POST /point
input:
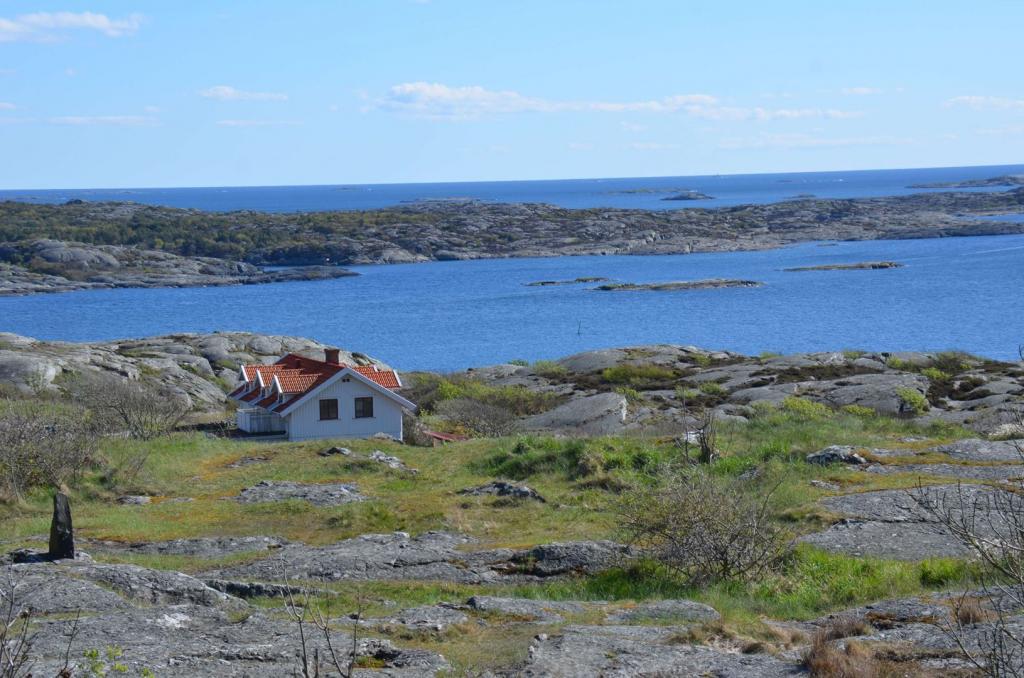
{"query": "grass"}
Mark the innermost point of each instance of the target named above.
(576, 476)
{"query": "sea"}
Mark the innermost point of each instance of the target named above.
(951, 293)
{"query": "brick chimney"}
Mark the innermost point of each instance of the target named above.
(331, 355)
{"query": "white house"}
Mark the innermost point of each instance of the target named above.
(308, 399)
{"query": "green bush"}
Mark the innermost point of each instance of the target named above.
(952, 362)
(860, 411)
(630, 394)
(913, 399)
(518, 361)
(549, 369)
(712, 388)
(935, 374)
(806, 409)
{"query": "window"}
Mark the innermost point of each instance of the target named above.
(329, 409)
(364, 408)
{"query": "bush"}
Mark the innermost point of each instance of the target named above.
(42, 445)
(913, 400)
(952, 362)
(806, 409)
(549, 369)
(630, 394)
(704, 528)
(143, 410)
(860, 411)
(429, 390)
(490, 421)
(935, 374)
(712, 388)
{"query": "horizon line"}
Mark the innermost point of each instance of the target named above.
(503, 181)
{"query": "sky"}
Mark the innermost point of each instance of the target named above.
(148, 94)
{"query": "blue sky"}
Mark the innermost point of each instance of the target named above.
(110, 94)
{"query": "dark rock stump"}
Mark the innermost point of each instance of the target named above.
(62, 536)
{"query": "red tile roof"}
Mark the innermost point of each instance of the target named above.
(298, 375)
(296, 381)
(386, 378)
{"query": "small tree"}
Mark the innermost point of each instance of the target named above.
(989, 522)
(143, 410)
(490, 421)
(42, 444)
(704, 528)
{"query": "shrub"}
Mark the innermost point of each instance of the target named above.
(143, 410)
(484, 419)
(630, 394)
(636, 374)
(901, 365)
(853, 354)
(952, 362)
(860, 411)
(913, 400)
(712, 388)
(549, 369)
(42, 445)
(429, 390)
(686, 394)
(806, 409)
(704, 528)
(935, 374)
(518, 361)
(702, 360)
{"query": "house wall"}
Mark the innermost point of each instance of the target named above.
(304, 423)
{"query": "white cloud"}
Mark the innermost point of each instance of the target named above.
(257, 123)
(985, 103)
(439, 101)
(1011, 130)
(49, 26)
(579, 146)
(794, 141)
(6, 106)
(652, 146)
(861, 91)
(112, 120)
(229, 93)
(632, 127)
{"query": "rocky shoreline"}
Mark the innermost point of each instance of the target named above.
(445, 231)
(39, 266)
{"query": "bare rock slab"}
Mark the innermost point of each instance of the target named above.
(666, 611)
(330, 494)
(621, 651)
(503, 488)
(524, 609)
(975, 449)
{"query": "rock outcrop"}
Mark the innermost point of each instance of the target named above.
(35, 266)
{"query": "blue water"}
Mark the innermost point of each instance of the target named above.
(726, 190)
(953, 293)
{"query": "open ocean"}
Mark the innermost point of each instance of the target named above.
(641, 193)
(964, 293)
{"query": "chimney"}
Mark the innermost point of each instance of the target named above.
(331, 356)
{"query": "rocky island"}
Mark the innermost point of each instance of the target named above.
(33, 266)
(575, 281)
(678, 285)
(860, 266)
(1008, 180)
(443, 231)
(689, 195)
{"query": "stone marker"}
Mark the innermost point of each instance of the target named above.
(62, 537)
